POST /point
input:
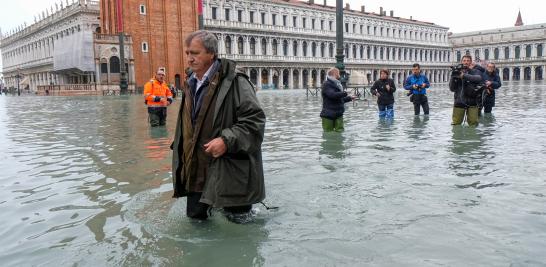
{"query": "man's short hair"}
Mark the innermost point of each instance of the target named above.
(332, 70)
(416, 65)
(467, 56)
(209, 40)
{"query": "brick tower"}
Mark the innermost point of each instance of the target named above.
(158, 29)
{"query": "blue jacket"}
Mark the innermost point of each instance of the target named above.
(419, 80)
(333, 100)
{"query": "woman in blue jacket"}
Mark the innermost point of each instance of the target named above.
(492, 83)
(384, 89)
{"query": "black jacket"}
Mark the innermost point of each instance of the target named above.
(333, 100)
(385, 97)
(468, 90)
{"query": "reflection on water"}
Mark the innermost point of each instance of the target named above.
(85, 181)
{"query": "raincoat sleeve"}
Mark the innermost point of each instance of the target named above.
(247, 133)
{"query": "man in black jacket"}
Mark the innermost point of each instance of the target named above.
(333, 100)
(467, 85)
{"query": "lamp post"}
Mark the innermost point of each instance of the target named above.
(339, 43)
(18, 77)
(123, 84)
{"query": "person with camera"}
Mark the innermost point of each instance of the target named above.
(417, 85)
(492, 83)
(466, 83)
(384, 89)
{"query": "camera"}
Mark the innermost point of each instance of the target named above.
(457, 69)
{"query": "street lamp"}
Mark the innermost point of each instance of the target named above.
(339, 44)
(18, 77)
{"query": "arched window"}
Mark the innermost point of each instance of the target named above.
(486, 54)
(240, 45)
(477, 54)
(264, 46)
(295, 48)
(539, 50)
(517, 52)
(228, 45)
(528, 51)
(381, 53)
(361, 51)
(114, 65)
(252, 46)
(285, 48)
(506, 52)
(331, 50)
(496, 53)
(304, 48)
(274, 47)
(322, 50)
(313, 49)
(354, 51)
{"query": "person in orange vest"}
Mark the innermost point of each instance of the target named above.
(157, 96)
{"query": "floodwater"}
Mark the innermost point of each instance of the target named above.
(85, 182)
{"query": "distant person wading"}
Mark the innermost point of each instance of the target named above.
(157, 96)
(333, 102)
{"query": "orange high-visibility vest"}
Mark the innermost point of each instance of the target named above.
(154, 88)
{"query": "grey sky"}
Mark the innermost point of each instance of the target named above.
(459, 16)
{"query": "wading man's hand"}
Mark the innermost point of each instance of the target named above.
(216, 147)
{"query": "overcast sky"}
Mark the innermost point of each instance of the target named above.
(459, 16)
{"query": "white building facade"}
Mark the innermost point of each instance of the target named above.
(518, 52)
(291, 44)
(62, 48)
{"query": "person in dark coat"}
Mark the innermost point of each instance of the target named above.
(333, 102)
(467, 87)
(417, 84)
(492, 83)
(217, 156)
(384, 89)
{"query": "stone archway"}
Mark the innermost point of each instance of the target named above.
(314, 78)
(285, 79)
(275, 81)
(254, 76)
(322, 75)
(516, 74)
(264, 77)
(538, 73)
(296, 78)
(505, 74)
(305, 78)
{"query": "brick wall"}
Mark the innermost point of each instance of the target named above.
(164, 27)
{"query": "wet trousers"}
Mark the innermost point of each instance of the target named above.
(471, 115)
(329, 125)
(420, 100)
(386, 111)
(157, 116)
(200, 211)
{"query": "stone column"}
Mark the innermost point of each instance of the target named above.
(300, 79)
(259, 79)
(291, 78)
(281, 79)
(270, 78)
(532, 73)
(247, 45)
(97, 71)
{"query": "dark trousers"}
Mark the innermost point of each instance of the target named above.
(199, 210)
(157, 115)
(419, 101)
